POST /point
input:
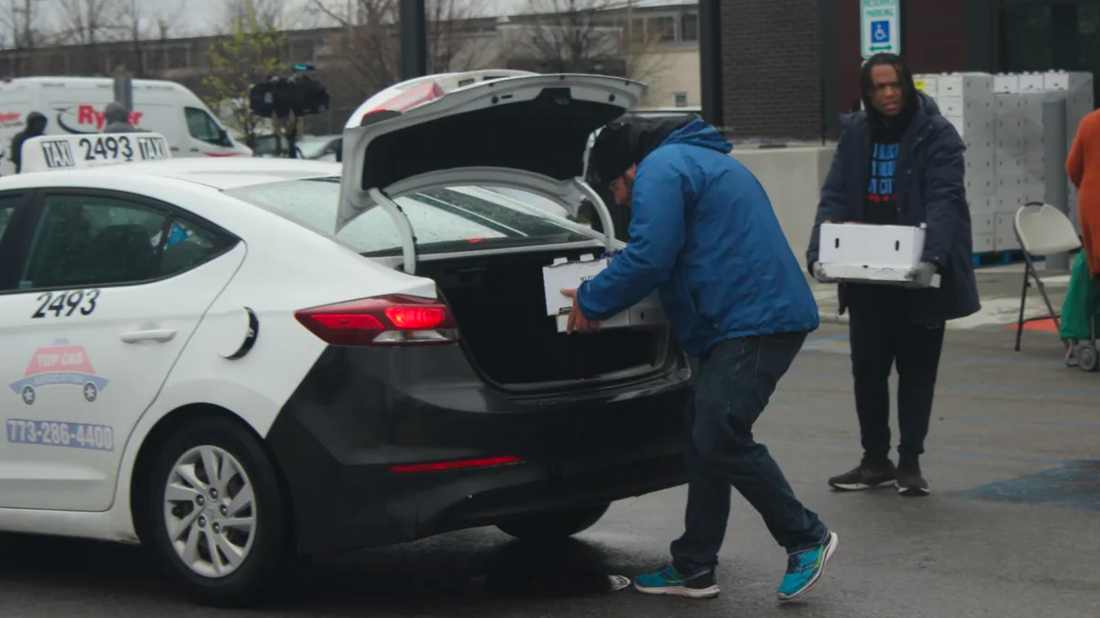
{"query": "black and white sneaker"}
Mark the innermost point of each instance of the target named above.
(869, 475)
(910, 482)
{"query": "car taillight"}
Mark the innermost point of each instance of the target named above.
(384, 320)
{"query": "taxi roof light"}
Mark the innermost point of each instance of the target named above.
(49, 153)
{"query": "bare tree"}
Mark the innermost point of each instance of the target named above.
(87, 22)
(20, 21)
(578, 36)
(368, 40)
(267, 14)
(141, 24)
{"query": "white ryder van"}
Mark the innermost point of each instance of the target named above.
(76, 105)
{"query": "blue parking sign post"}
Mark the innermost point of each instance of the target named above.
(880, 29)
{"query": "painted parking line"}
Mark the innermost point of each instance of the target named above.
(1037, 390)
(964, 418)
(818, 345)
(853, 447)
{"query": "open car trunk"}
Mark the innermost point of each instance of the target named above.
(500, 308)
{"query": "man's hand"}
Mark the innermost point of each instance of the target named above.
(577, 321)
(819, 274)
(922, 273)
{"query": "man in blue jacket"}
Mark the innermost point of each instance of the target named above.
(704, 234)
(899, 162)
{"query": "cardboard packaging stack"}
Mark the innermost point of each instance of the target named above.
(1000, 117)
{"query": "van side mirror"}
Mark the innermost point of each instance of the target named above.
(224, 135)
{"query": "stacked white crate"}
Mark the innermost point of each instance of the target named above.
(1019, 151)
(1021, 165)
(1078, 89)
(967, 101)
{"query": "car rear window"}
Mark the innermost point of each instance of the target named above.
(443, 220)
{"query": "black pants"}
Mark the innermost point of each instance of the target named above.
(881, 335)
(735, 381)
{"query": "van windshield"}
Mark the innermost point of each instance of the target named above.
(444, 220)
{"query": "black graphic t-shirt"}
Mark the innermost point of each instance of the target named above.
(881, 206)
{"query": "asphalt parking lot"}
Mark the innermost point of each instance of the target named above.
(1009, 530)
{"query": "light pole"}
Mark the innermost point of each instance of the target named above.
(414, 39)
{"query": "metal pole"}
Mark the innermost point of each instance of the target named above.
(124, 89)
(710, 60)
(414, 39)
(1055, 151)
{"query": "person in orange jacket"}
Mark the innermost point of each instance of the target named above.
(1083, 166)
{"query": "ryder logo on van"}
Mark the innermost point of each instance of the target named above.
(11, 120)
(86, 119)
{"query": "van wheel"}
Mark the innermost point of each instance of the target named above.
(215, 510)
(554, 525)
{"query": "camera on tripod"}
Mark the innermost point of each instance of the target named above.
(279, 95)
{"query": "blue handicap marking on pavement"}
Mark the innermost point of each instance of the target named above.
(880, 32)
(1076, 485)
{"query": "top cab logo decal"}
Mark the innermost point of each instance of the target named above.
(61, 364)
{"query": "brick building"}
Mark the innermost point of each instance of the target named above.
(788, 68)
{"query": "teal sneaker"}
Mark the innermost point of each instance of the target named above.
(805, 568)
(699, 585)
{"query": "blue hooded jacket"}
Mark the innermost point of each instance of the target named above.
(704, 234)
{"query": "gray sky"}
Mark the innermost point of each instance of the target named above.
(197, 16)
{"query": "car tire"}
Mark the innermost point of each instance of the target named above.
(554, 525)
(179, 491)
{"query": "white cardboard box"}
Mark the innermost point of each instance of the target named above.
(983, 223)
(1006, 83)
(871, 253)
(1032, 82)
(983, 243)
(566, 275)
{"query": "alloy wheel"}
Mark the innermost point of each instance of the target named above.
(210, 511)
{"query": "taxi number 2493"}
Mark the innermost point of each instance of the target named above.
(67, 303)
(110, 148)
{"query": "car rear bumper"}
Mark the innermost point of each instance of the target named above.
(361, 412)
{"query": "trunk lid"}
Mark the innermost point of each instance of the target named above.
(493, 128)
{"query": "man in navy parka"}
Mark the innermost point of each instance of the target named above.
(703, 233)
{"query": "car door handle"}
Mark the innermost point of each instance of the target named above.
(148, 335)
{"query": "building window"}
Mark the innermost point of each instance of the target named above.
(681, 99)
(689, 27)
(1041, 37)
(662, 29)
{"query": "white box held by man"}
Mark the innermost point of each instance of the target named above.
(566, 275)
(872, 253)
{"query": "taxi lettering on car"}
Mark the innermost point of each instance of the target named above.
(308, 357)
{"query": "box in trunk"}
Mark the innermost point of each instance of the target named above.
(566, 275)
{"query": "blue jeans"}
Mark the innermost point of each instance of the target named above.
(735, 382)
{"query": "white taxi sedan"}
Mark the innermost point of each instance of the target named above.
(241, 362)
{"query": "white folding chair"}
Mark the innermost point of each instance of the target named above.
(1042, 230)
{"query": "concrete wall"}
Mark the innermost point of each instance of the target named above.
(792, 177)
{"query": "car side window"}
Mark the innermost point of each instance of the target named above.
(187, 245)
(7, 212)
(202, 126)
(98, 240)
(7, 245)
